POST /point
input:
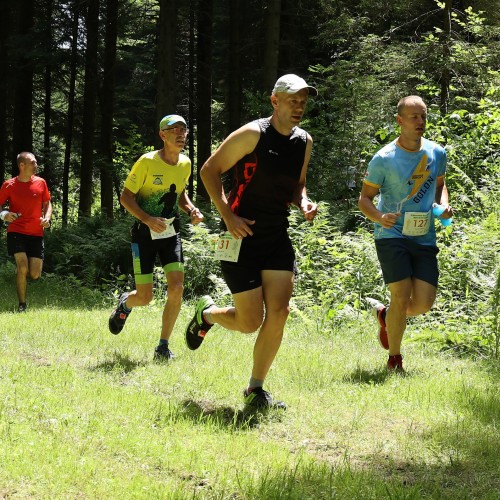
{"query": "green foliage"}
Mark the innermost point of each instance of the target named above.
(96, 253)
(90, 251)
(468, 292)
(354, 114)
(472, 138)
(202, 271)
(336, 268)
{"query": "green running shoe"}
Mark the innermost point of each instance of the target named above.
(198, 327)
(119, 315)
(259, 399)
(163, 353)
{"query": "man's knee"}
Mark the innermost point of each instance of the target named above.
(423, 305)
(175, 290)
(34, 275)
(250, 324)
(22, 270)
(143, 299)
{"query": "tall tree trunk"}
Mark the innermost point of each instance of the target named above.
(70, 112)
(445, 73)
(234, 69)
(191, 80)
(271, 44)
(166, 103)
(47, 106)
(89, 108)
(107, 105)
(204, 80)
(22, 136)
(5, 25)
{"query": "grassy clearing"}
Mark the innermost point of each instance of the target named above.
(85, 414)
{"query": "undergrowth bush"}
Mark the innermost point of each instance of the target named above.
(336, 269)
(90, 251)
(465, 316)
(96, 253)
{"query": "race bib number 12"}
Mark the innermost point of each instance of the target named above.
(227, 248)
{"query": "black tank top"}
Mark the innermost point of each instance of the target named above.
(265, 181)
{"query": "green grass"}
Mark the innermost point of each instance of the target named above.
(85, 414)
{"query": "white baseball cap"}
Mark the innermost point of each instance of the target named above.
(291, 84)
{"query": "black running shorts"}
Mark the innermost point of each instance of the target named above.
(145, 250)
(402, 258)
(271, 251)
(32, 246)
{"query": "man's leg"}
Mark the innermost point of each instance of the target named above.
(423, 295)
(141, 296)
(395, 318)
(35, 266)
(277, 286)
(22, 270)
(245, 316)
(409, 297)
(175, 283)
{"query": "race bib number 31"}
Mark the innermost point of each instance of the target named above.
(227, 248)
(416, 223)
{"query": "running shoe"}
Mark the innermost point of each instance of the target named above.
(259, 399)
(198, 327)
(119, 315)
(163, 353)
(395, 363)
(22, 307)
(379, 311)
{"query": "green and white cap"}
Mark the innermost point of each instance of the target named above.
(168, 120)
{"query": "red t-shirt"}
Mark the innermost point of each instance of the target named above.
(27, 199)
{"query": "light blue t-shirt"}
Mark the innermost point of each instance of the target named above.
(407, 182)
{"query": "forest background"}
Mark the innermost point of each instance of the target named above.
(85, 83)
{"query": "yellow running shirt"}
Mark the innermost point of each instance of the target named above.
(157, 185)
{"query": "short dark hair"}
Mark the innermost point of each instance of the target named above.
(406, 100)
(23, 157)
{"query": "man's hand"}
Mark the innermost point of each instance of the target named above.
(309, 209)
(448, 212)
(389, 219)
(44, 222)
(11, 216)
(156, 224)
(239, 226)
(196, 216)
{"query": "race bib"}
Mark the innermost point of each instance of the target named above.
(227, 248)
(167, 232)
(416, 223)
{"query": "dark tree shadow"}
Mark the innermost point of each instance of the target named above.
(372, 377)
(226, 416)
(118, 363)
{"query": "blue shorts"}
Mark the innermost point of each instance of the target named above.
(401, 258)
(272, 251)
(145, 250)
(32, 246)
